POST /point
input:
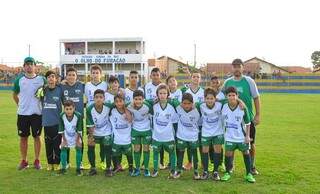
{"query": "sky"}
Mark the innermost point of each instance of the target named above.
(282, 32)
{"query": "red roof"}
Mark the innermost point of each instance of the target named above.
(297, 69)
(225, 68)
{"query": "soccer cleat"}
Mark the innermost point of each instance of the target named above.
(23, 165)
(84, 167)
(254, 171)
(108, 173)
(162, 167)
(216, 176)
(196, 176)
(177, 175)
(102, 165)
(249, 177)
(188, 166)
(79, 172)
(56, 167)
(62, 171)
(92, 172)
(210, 167)
(226, 177)
(50, 167)
(68, 166)
(37, 165)
(171, 175)
(205, 176)
(154, 174)
(136, 172)
(131, 171)
(147, 173)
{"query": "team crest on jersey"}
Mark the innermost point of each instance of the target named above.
(65, 92)
(55, 98)
(167, 116)
(238, 118)
(127, 98)
(78, 91)
(192, 119)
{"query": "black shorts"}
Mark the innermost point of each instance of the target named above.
(25, 122)
(252, 132)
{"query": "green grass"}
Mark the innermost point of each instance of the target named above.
(287, 157)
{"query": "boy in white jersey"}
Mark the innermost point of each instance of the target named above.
(235, 122)
(71, 129)
(164, 116)
(175, 93)
(141, 131)
(215, 84)
(121, 129)
(197, 93)
(151, 87)
(133, 86)
(89, 89)
(99, 131)
(187, 133)
(211, 133)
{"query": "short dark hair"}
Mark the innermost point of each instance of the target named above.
(133, 72)
(113, 79)
(50, 72)
(70, 69)
(68, 103)
(169, 77)
(211, 91)
(214, 78)
(118, 96)
(155, 70)
(187, 96)
(161, 87)
(231, 89)
(137, 93)
(96, 67)
(237, 62)
(98, 91)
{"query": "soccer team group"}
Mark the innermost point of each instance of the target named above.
(132, 122)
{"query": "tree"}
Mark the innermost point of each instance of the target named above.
(315, 58)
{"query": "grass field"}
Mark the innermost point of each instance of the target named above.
(287, 157)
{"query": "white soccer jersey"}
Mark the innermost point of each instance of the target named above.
(99, 120)
(163, 119)
(121, 128)
(129, 94)
(108, 97)
(176, 95)
(141, 117)
(70, 128)
(90, 88)
(26, 88)
(220, 96)
(234, 123)
(211, 120)
(198, 96)
(188, 124)
(150, 91)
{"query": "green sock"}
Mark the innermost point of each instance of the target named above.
(205, 161)
(172, 157)
(137, 158)
(130, 160)
(228, 163)
(247, 162)
(195, 159)
(146, 158)
(102, 152)
(180, 159)
(189, 154)
(92, 156)
(63, 157)
(155, 159)
(78, 157)
(108, 151)
(216, 161)
(211, 154)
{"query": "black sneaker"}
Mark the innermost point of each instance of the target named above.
(108, 173)
(196, 176)
(216, 176)
(92, 172)
(254, 171)
(79, 172)
(205, 176)
(171, 175)
(62, 171)
(177, 175)
(154, 174)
